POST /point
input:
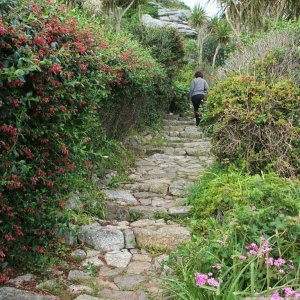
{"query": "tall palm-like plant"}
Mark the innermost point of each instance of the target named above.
(221, 32)
(251, 15)
(199, 21)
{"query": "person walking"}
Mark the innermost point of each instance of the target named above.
(198, 89)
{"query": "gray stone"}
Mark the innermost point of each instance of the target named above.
(22, 279)
(130, 242)
(141, 257)
(122, 295)
(76, 289)
(88, 297)
(138, 267)
(95, 261)
(134, 144)
(77, 274)
(148, 211)
(74, 201)
(120, 196)
(9, 293)
(160, 261)
(134, 251)
(178, 188)
(181, 27)
(106, 180)
(159, 187)
(180, 211)
(48, 284)
(79, 253)
(91, 253)
(160, 202)
(101, 238)
(70, 235)
(107, 284)
(110, 272)
(116, 212)
(128, 282)
(119, 259)
(167, 237)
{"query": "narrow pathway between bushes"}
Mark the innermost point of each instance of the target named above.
(146, 218)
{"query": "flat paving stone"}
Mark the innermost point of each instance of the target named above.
(9, 293)
(129, 282)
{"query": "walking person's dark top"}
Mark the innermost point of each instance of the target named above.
(198, 89)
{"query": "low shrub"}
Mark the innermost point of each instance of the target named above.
(256, 122)
(246, 238)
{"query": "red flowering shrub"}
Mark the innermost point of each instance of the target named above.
(138, 91)
(55, 77)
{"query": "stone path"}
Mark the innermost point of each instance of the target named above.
(122, 257)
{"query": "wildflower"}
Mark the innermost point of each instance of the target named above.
(201, 279)
(242, 257)
(279, 262)
(270, 261)
(253, 208)
(281, 271)
(212, 282)
(265, 248)
(276, 296)
(210, 274)
(297, 295)
(217, 266)
(288, 291)
(254, 247)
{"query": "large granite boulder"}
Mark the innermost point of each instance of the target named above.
(176, 18)
(101, 238)
(165, 237)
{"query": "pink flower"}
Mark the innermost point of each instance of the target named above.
(279, 262)
(288, 291)
(276, 296)
(252, 253)
(270, 261)
(254, 247)
(212, 282)
(297, 295)
(217, 266)
(242, 257)
(200, 279)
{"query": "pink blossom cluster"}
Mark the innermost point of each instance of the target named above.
(288, 292)
(253, 249)
(203, 279)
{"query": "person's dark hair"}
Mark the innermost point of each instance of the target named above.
(198, 74)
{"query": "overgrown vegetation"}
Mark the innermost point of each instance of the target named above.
(246, 237)
(66, 90)
(256, 122)
(246, 207)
